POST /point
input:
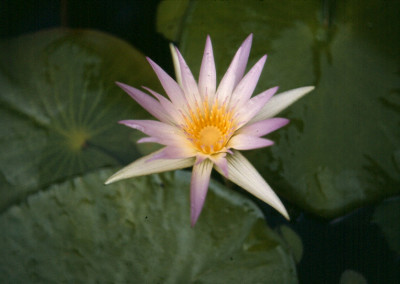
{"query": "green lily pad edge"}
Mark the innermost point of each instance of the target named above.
(60, 107)
(139, 231)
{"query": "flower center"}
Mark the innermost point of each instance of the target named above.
(209, 128)
(209, 136)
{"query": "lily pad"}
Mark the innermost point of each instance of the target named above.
(342, 147)
(352, 277)
(293, 241)
(59, 107)
(387, 216)
(138, 231)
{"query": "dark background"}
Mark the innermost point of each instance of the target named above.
(330, 247)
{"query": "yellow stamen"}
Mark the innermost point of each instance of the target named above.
(209, 136)
(209, 128)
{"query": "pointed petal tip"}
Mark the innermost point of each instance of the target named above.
(151, 62)
(287, 217)
(111, 179)
(122, 85)
(304, 90)
(125, 122)
(194, 216)
(192, 222)
(264, 57)
(279, 207)
(283, 212)
(249, 37)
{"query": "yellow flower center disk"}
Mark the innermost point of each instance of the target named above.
(209, 128)
(209, 136)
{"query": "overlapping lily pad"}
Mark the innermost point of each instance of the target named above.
(59, 107)
(342, 147)
(138, 231)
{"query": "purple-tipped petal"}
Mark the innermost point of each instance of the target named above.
(200, 157)
(148, 140)
(172, 88)
(146, 166)
(189, 84)
(246, 86)
(255, 104)
(235, 71)
(280, 102)
(244, 57)
(147, 102)
(220, 161)
(165, 133)
(199, 187)
(169, 107)
(207, 77)
(175, 152)
(242, 172)
(263, 127)
(246, 142)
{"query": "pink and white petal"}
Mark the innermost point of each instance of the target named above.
(169, 107)
(146, 166)
(246, 142)
(244, 57)
(254, 105)
(280, 102)
(198, 188)
(165, 133)
(176, 152)
(146, 101)
(207, 76)
(148, 140)
(200, 157)
(175, 61)
(172, 88)
(235, 71)
(242, 172)
(246, 86)
(220, 161)
(263, 127)
(188, 82)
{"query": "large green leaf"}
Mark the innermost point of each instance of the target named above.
(138, 231)
(59, 107)
(342, 148)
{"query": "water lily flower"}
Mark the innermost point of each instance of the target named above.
(203, 126)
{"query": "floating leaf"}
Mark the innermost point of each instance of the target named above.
(387, 216)
(293, 240)
(59, 106)
(342, 147)
(352, 277)
(138, 231)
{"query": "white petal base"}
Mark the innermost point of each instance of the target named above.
(246, 176)
(146, 165)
